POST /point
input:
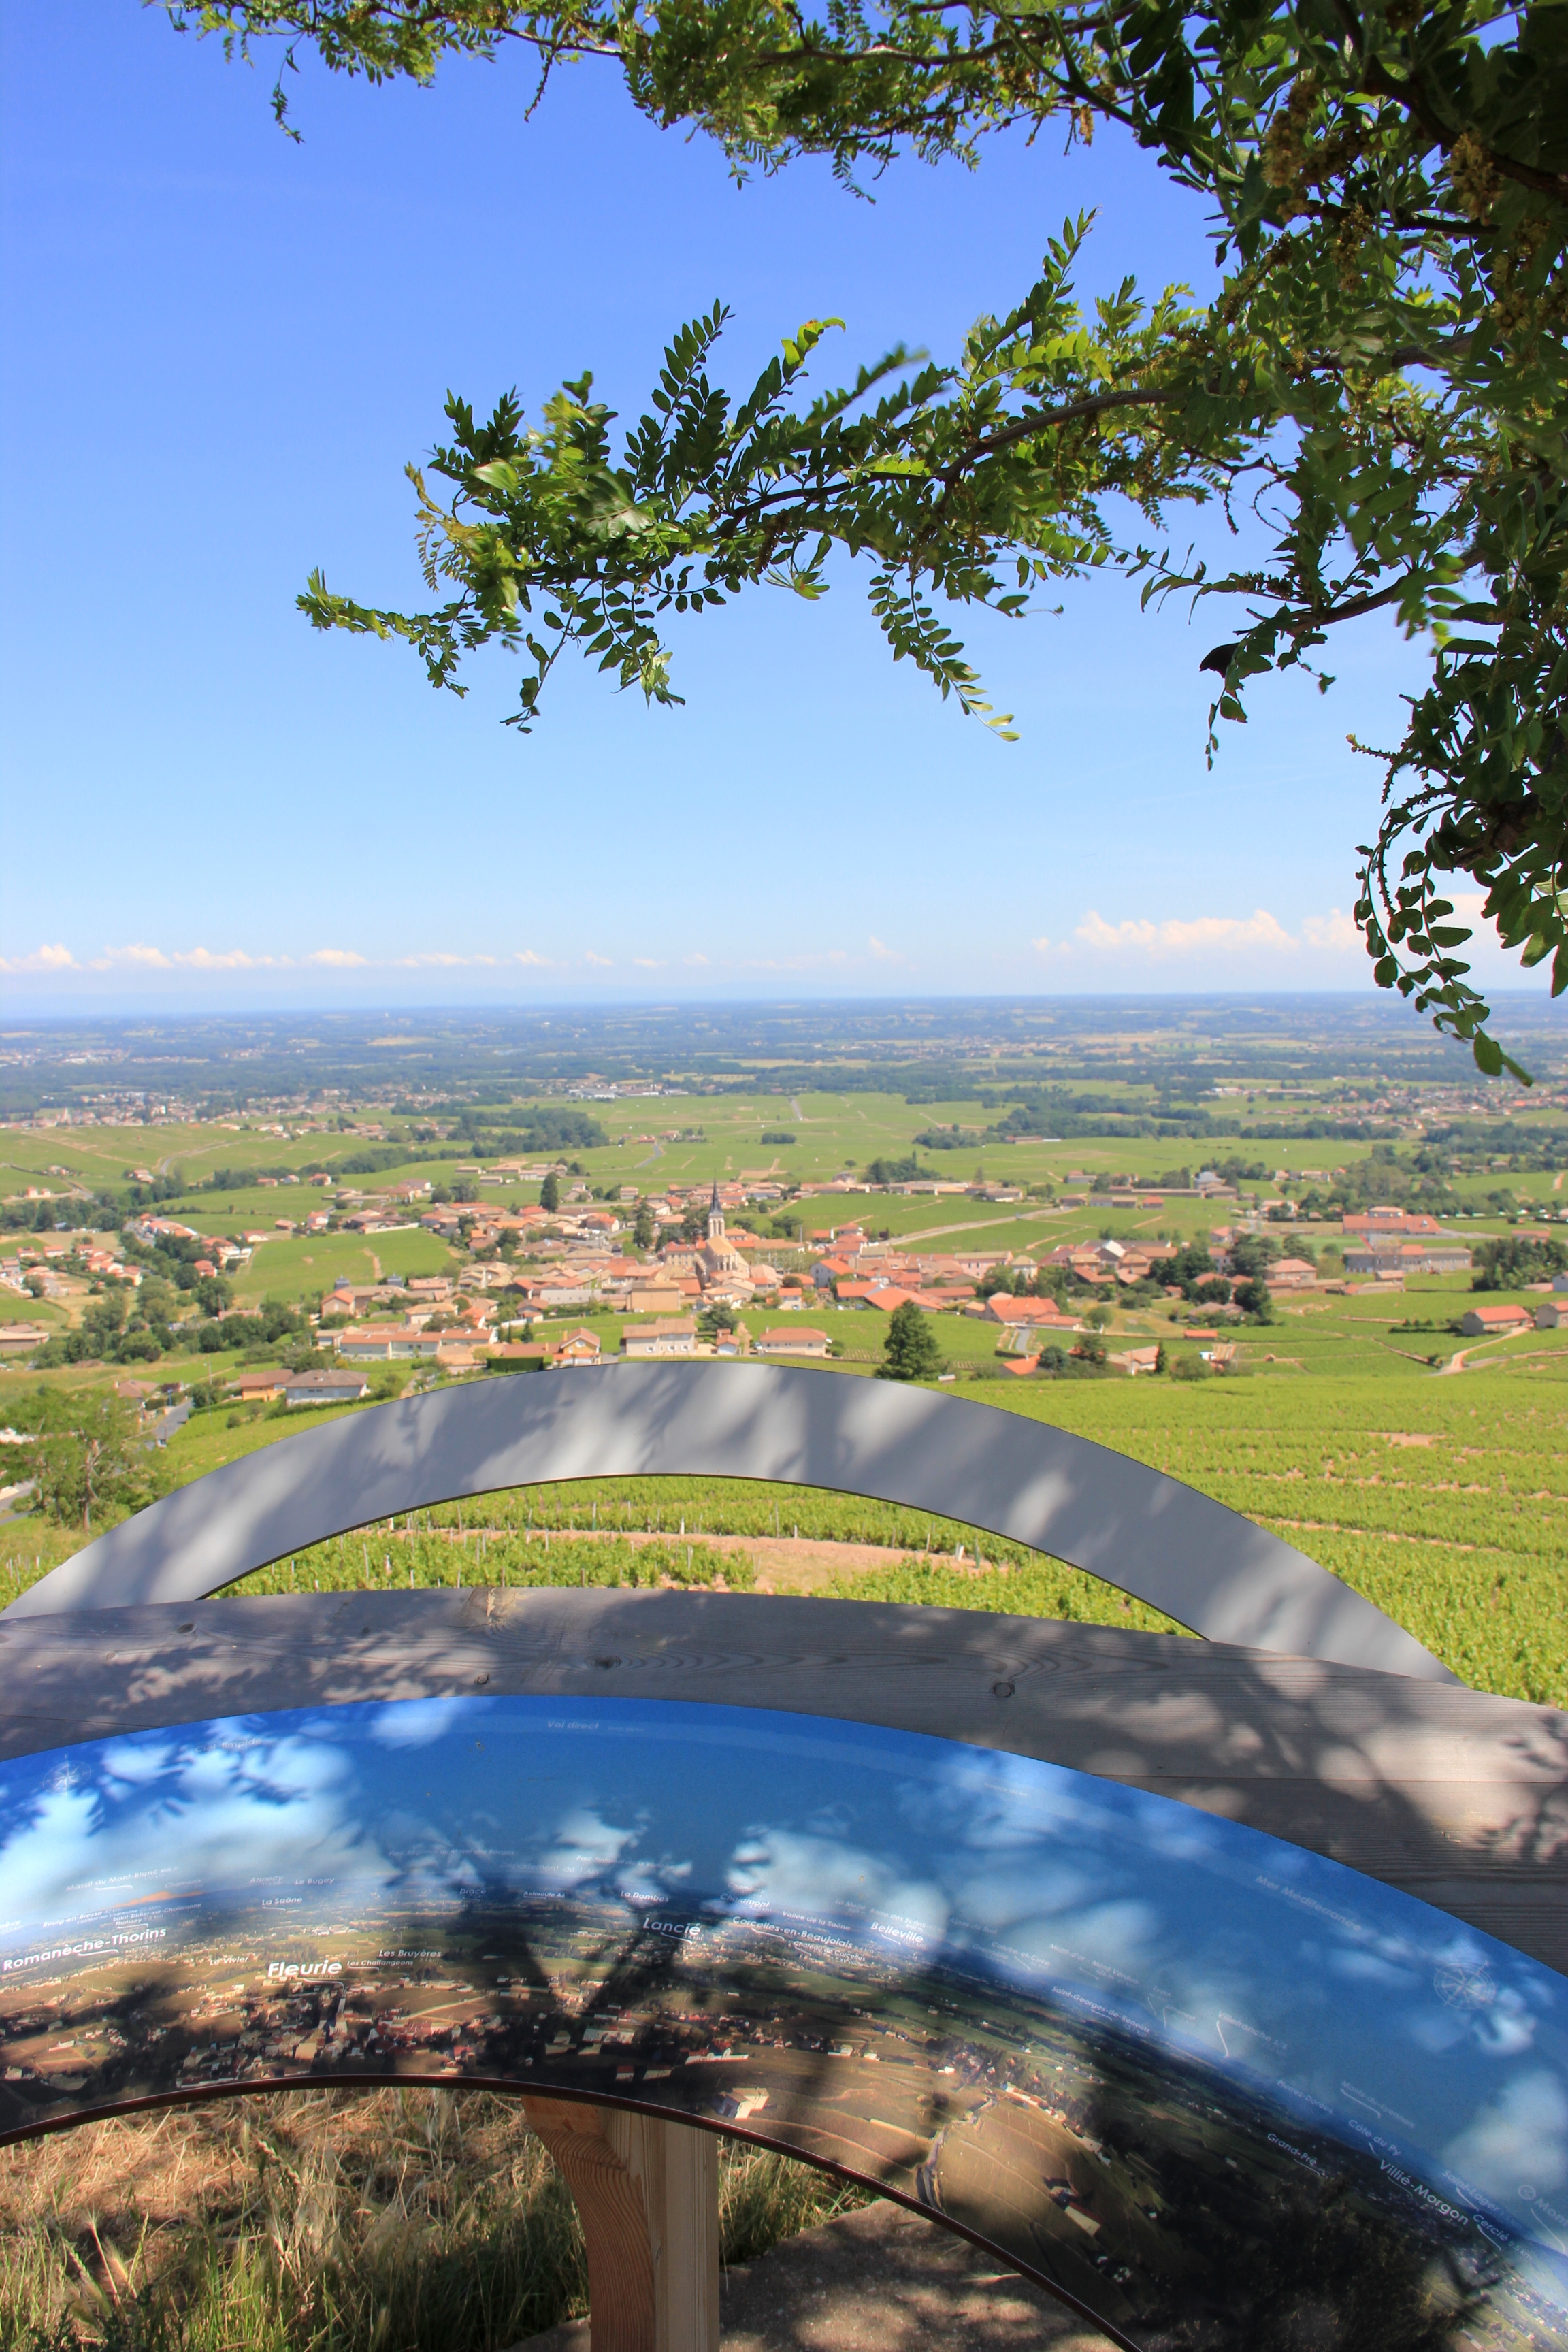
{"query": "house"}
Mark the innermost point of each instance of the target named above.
(1552, 1314)
(1495, 1322)
(261, 1388)
(798, 1339)
(384, 1343)
(582, 1348)
(673, 1335)
(346, 1300)
(827, 1271)
(1399, 1257)
(325, 1388)
(741, 2103)
(655, 1298)
(1001, 1308)
(519, 1356)
(1291, 1274)
(21, 1338)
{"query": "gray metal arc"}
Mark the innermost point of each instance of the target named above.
(1204, 1566)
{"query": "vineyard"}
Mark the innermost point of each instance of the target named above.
(1445, 1501)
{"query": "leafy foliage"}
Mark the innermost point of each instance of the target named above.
(1509, 1263)
(85, 1458)
(973, 484)
(1379, 383)
(909, 1351)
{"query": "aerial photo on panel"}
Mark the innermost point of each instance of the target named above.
(1162, 2062)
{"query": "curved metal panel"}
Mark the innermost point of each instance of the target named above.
(1210, 2088)
(1147, 1534)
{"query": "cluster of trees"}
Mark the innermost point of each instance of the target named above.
(1514, 1260)
(1417, 1179)
(907, 1170)
(273, 1323)
(172, 1259)
(949, 1138)
(120, 1327)
(530, 1130)
(125, 1325)
(95, 1213)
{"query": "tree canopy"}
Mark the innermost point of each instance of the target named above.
(909, 1351)
(1378, 383)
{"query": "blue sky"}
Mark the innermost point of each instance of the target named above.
(223, 347)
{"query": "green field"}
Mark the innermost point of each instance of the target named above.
(834, 1133)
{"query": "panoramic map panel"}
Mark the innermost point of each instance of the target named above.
(1211, 2088)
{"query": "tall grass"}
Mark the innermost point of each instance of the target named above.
(392, 2220)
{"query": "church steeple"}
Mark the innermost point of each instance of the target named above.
(715, 1216)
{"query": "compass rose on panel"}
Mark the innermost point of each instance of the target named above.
(1464, 1988)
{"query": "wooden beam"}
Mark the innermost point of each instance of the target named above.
(648, 2193)
(676, 2167)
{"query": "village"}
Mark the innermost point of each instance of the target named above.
(687, 1277)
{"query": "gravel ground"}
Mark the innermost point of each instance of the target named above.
(881, 2279)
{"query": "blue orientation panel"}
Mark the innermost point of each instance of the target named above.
(1214, 2089)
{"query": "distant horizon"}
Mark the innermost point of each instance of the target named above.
(67, 1011)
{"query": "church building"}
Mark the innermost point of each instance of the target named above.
(720, 1264)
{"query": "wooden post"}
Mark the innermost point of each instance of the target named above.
(647, 2192)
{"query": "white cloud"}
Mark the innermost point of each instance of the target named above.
(606, 963)
(884, 954)
(1518, 2145)
(45, 958)
(231, 959)
(140, 958)
(1335, 931)
(1199, 936)
(340, 959)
